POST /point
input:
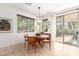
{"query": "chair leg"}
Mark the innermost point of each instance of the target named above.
(35, 48)
(49, 46)
(28, 47)
(24, 44)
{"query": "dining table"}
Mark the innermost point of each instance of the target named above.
(40, 39)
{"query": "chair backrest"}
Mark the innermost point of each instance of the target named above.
(25, 35)
(48, 35)
(31, 39)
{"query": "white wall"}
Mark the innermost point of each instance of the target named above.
(7, 39)
(52, 28)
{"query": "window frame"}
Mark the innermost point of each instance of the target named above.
(26, 19)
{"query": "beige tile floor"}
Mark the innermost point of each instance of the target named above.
(58, 49)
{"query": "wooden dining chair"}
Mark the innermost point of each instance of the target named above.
(32, 42)
(25, 39)
(47, 40)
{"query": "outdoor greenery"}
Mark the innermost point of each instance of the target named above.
(30, 25)
(59, 26)
(45, 25)
(70, 28)
(66, 25)
(25, 24)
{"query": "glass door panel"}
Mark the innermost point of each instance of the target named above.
(59, 28)
(70, 32)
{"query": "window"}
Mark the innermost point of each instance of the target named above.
(21, 24)
(25, 24)
(30, 25)
(66, 28)
(45, 25)
(70, 22)
(59, 25)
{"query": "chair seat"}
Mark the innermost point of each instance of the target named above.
(46, 40)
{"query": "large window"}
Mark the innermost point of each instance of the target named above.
(66, 28)
(70, 28)
(59, 28)
(45, 25)
(25, 24)
(30, 25)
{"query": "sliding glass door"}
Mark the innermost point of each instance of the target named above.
(66, 29)
(59, 29)
(70, 26)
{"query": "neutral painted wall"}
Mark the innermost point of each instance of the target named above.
(7, 39)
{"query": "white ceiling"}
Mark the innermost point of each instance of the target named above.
(45, 8)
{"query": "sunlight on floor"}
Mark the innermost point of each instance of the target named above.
(57, 49)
